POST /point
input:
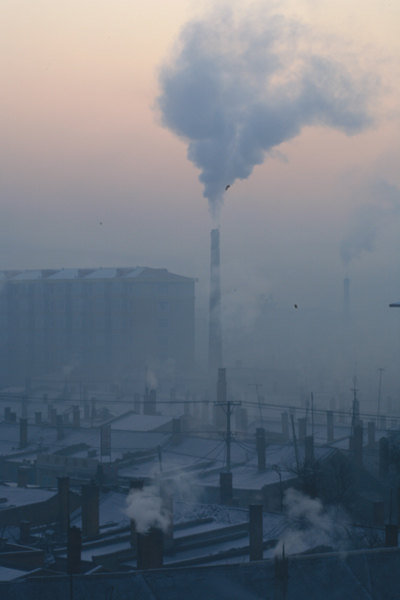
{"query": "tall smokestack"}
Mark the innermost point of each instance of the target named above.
(346, 299)
(214, 331)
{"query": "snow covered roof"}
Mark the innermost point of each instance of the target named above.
(11, 495)
(126, 273)
(358, 575)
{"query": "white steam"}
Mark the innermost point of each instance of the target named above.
(310, 525)
(146, 508)
(151, 379)
(238, 87)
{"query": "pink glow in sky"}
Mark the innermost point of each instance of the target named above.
(82, 144)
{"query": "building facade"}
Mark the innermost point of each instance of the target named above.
(110, 321)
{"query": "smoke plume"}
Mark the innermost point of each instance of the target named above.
(238, 87)
(367, 219)
(310, 525)
(145, 507)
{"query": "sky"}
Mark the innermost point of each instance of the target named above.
(94, 168)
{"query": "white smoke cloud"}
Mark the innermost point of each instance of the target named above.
(238, 86)
(310, 525)
(145, 507)
(151, 379)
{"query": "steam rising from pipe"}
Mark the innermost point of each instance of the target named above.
(145, 507)
(238, 87)
(310, 525)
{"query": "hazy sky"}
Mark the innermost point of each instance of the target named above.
(82, 143)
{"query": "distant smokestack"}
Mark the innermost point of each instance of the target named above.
(346, 298)
(215, 332)
(23, 432)
(329, 426)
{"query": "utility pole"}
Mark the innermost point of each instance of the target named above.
(258, 385)
(296, 452)
(228, 408)
(356, 407)
(312, 414)
(381, 370)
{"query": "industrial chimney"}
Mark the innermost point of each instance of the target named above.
(214, 331)
(346, 299)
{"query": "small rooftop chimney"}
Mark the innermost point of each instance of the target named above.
(391, 535)
(150, 549)
(215, 331)
(260, 447)
(63, 503)
(302, 429)
(167, 499)
(24, 532)
(285, 426)
(256, 531)
(74, 547)
(225, 488)
(281, 576)
(134, 485)
(219, 414)
(76, 416)
(137, 403)
(23, 432)
(60, 427)
(309, 448)
(383, 457)
(90, 510)
(149, 403)
(371, 434)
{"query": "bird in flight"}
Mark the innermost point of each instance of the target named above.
(227, 187)
(295, 306)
